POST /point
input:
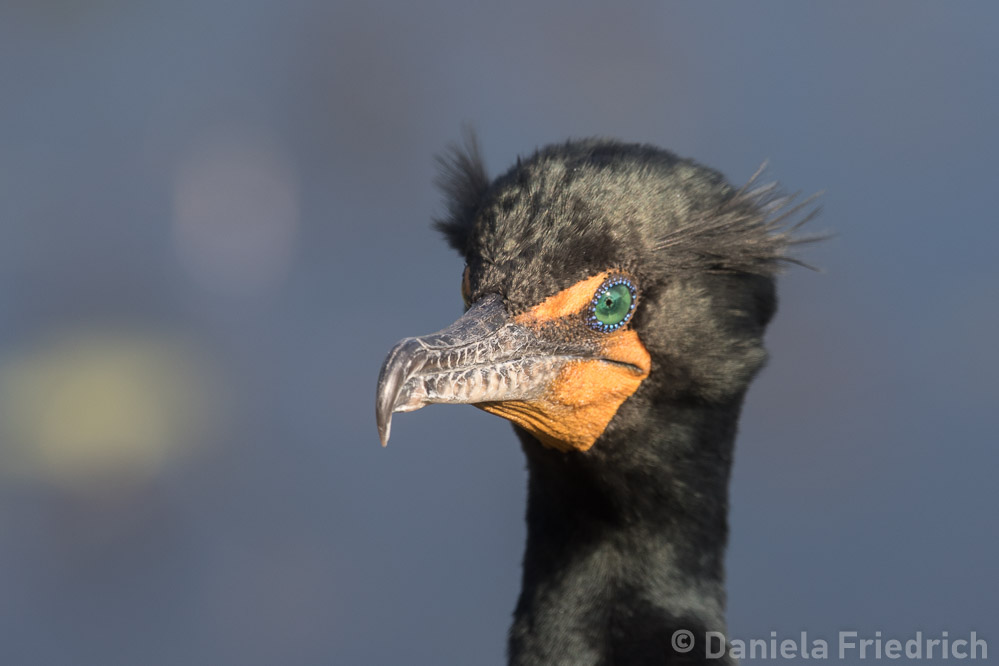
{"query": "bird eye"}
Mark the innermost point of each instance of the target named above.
(612, 305)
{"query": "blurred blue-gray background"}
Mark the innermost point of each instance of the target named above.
(214, 222)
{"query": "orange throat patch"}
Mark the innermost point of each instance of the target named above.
(586, 394)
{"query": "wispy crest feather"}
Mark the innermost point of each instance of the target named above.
(463, 181)
(752, 231)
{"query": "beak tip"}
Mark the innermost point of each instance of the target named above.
(383, 418)
(396, 369)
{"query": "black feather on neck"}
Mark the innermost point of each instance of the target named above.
(626, 542)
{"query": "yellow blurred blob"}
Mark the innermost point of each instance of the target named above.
(98, 407)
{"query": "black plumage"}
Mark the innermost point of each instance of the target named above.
(626, 538)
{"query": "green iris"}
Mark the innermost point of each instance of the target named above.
(613, 305)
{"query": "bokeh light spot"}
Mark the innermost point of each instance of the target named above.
(96, 407)
(236, 212)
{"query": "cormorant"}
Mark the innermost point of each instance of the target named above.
(616, 297)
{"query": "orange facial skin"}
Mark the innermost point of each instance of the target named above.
(587, 392)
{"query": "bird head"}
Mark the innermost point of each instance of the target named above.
(596, 273)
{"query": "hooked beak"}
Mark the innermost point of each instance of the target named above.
(482, 357)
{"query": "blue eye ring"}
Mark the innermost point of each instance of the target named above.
(611, 287)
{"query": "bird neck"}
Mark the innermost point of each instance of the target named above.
(626, 541)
